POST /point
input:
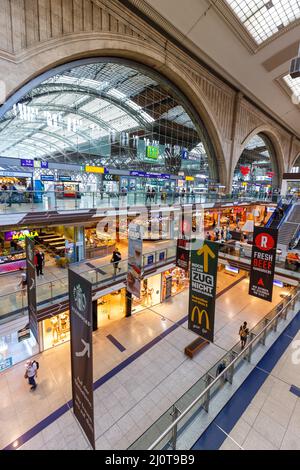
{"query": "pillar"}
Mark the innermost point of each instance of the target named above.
(95, 315)
(79, 240)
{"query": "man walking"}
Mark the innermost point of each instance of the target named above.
(30, 374)
(116, 258)
(243, 332)
(39, 263)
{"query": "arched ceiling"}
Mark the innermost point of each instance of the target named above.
(80, 113)
(250, 43)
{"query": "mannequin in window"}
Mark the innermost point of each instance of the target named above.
(150, 291)
(55, 328)
(63, 322)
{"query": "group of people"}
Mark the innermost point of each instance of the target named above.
(219, 234)
(168, 193)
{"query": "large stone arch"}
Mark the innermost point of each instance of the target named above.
(28, 66)
(274, 139)
(294, 161)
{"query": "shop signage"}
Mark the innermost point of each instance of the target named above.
(95, 169)
(152, 152)
(146, 174)
(150, 259)
(203, 282)
(162, 255)
(81, 322)
(135, 259)
(169, 280)
(21, 235)
(16, 174)
(111, 177)
(24, 333)
(263, 262)
(65, 178)
(31, 289)
(39, 164)
(27, 163)
(189, 178)
(47, 178)
(6, 364)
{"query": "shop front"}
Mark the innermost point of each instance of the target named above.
(98, 242)
(55, 330)
(111, 307)
(56, 242)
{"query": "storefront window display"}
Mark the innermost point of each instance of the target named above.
(150, 294)
(111, 307)
(56, 330)
(14, 349)
(12, 249)
(180, 281)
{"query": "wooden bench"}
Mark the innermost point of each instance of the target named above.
(195, 346)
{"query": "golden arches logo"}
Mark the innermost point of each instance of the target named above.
(200, 313)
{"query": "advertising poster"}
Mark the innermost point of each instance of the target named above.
(81, 322)
(182, 255)
(135, 259)
(31, 289)
(203, 283)
(263, 262)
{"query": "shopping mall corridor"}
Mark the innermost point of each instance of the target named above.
(134, 384)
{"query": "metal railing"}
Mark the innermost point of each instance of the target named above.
(33, 201)
(15, 303)
(167, 431)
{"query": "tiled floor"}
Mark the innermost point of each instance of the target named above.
(272, 420)
(130, 401)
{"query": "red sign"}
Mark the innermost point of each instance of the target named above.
(264, 241)
(270, 174)
(245, 170)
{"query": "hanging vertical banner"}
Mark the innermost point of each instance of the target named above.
(263, 262)
(203, 283)
(182, 255)
(135, 259)
(31, 288)
(81, 322)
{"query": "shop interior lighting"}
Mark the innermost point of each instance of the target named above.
(263, 19)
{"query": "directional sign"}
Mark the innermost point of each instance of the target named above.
(203, 282)
(263, 262)
(80, 298)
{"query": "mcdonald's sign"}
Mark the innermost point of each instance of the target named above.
(198, 314)
(203, 282)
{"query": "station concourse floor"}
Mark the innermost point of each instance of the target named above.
(272, 419)
(132, 391)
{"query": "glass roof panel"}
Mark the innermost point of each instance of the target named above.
(264, 18)
(294, 85)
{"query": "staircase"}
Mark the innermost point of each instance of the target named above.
(290, 226)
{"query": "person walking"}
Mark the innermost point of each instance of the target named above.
(148, 194)
(39, 260)
(116, 258)
(153, 194)
(30, 373)
(243, 332)
(23, 282)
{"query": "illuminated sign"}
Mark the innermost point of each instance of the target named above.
(277, 283)
(189, 178)
(232, 269)
(152, 152)
(22, 234)
(95, 169)
(27, 163)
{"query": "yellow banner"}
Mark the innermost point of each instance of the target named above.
(94, 169)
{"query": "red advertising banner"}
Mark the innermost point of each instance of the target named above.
(263, 262)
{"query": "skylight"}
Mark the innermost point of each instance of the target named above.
(294, 85)
(264, 18)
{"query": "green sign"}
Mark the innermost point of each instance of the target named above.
(203, 283)
(152, 152)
